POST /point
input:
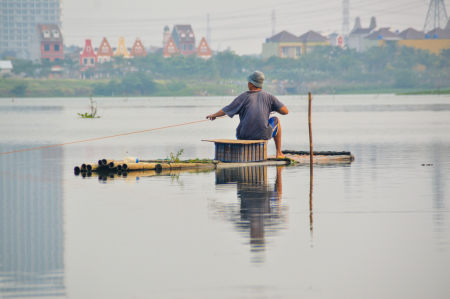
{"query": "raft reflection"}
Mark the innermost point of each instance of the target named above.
(260, 215)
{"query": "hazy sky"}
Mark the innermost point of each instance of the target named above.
(240, 25)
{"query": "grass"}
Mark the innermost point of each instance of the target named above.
(425, 92)
(48, 88)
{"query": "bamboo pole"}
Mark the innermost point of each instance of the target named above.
(311, 156)
(162, 166)
(115, 164)
(139, 166)
(148, 166)
(92, 167)
(132, 166)
(311, 167)
(89, 166)
(107, 161)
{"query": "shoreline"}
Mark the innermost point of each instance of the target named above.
(69, 88)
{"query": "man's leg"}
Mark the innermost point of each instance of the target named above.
(277, 140)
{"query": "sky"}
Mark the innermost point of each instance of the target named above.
(239, 25)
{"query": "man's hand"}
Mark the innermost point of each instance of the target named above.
(211, 117)
(215, 115)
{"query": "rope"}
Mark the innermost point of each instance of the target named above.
(31, 149)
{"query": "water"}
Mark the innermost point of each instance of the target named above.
(378, 228)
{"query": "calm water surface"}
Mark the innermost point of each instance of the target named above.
(376, 228)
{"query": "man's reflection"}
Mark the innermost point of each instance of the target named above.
(260, 213)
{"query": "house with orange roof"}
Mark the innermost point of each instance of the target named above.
(138, 48)
(170, 48)
(203, 49)
(104, 52)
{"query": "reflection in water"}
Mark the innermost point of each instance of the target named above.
(260, 214)
(31, 234)
(438, 195)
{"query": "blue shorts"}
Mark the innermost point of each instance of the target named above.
(273, 122)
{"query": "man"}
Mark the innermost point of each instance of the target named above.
(254, 108)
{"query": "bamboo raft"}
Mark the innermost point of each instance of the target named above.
(292, 157)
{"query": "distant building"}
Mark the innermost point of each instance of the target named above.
(333, 38)
(312, 39)
(184, 38)
(88, 58)
(47, 43)
(203, 50)
(166, 36)
(19, 20)
(434, 41)
(336, 40)
(357, 35)
(122, 49)
(5, 67)
(138, 49)
(285, 44)
(104, 52)
(380, 37)
(170, 48)
(438, 33)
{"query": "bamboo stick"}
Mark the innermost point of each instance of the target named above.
(138, 166)
(115, 164)
(92, 167)
(149, 166)
(132, 166)
(107, 161)
(89, 166)
(311, 158)
(160, 166)
(311, 153)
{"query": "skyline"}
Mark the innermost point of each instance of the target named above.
(243, 29)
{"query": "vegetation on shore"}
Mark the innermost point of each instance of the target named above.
(326, 70)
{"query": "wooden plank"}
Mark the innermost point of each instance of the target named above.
(235, 141)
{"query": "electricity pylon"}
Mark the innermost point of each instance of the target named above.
(436, 16)
(345, 16)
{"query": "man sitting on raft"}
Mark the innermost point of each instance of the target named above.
(254, 108)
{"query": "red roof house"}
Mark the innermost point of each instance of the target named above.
(203, 50)
(47, 43)
(104, 52)
(170, 48)
(138, 48)
(88, 57)
(184, 38)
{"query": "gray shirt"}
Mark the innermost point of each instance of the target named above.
(254, 109)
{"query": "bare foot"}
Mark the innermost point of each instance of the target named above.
(280, 156)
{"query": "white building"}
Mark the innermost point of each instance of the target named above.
(357, 35)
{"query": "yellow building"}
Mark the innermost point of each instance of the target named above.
(285, 44)
(122, 49)
(312, 39)
(434, 41)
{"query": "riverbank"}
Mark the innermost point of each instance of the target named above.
(164, 88)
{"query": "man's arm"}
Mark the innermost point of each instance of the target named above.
(217, 114)
(283, 110)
